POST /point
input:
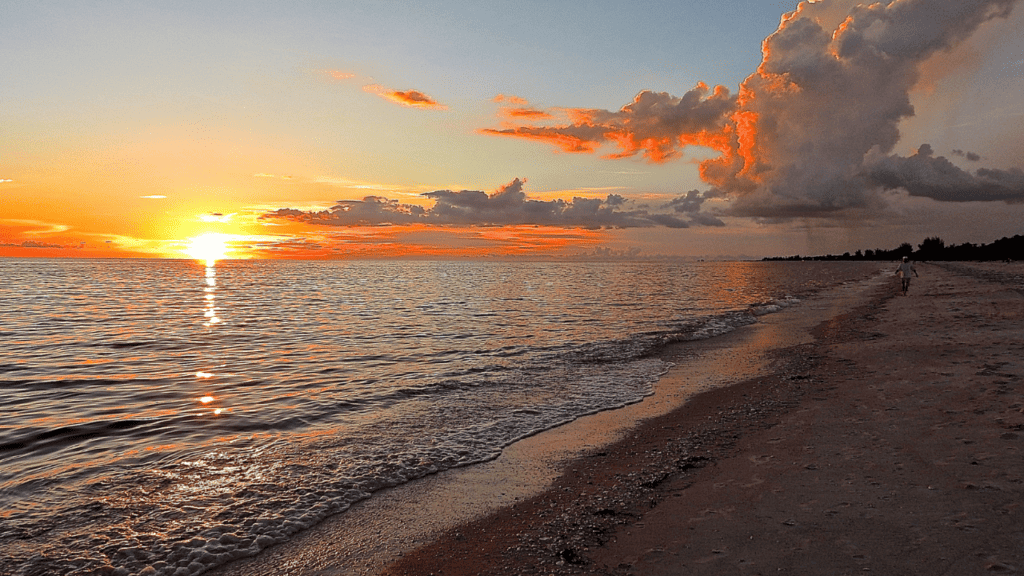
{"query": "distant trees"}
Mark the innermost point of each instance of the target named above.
(931, 249)
(934, 248)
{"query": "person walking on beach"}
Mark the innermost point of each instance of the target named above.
(903, 271)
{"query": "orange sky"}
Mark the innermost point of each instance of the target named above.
(325, 132)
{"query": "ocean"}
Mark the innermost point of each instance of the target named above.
(162, 417)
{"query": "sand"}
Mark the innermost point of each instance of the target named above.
(859, 432)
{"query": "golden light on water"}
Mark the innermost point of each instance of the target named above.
(209, 247)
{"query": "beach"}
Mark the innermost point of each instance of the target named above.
(890, 444)
(887, 441)
(878, 433)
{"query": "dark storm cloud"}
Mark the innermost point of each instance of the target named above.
(970, 156)
(509, 205)
(924, 174)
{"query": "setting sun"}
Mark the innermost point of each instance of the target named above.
(210, 247)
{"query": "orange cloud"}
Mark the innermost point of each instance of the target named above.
(654, 124)
(574, 139)
(411, 98)
(525, 113)
(510, 99)
(339, 75)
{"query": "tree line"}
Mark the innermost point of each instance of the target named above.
(933, 248)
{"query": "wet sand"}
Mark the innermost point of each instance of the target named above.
(862, 431)
(889, 444)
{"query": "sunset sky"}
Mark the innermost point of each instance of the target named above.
(452, 129)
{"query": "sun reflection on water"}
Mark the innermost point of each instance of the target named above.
(210, 312)
(210, 319)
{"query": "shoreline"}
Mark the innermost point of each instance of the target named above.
(890, 444)
(390, 526)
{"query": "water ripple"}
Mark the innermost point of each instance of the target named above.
(165, 416)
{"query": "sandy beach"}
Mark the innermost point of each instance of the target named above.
(860, 432)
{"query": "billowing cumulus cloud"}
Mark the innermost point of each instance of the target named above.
(508, 206)
(812, 131)
(411, 98)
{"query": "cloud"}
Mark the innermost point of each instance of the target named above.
(154, 197)
(812, 131)
(216, 217)
(524, 113)
(655, 124)
(36, 227)
(508, 206)
(690, 204)
(339, 75)
(923, 174)
(411, 98)
(32, 244)
(510, 99)
(375, 186)
(520, 109)
(971, 156)
(812, 80)
(265, 175)
(5, 180)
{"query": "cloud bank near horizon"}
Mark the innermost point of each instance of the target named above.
(812, 131)
(508, 206)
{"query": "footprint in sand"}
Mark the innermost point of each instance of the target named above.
(754, 482)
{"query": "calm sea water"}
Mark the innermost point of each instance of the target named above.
(163, 417)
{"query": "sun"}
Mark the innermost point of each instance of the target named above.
(210, 247)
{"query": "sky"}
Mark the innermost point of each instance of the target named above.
(501, 129)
